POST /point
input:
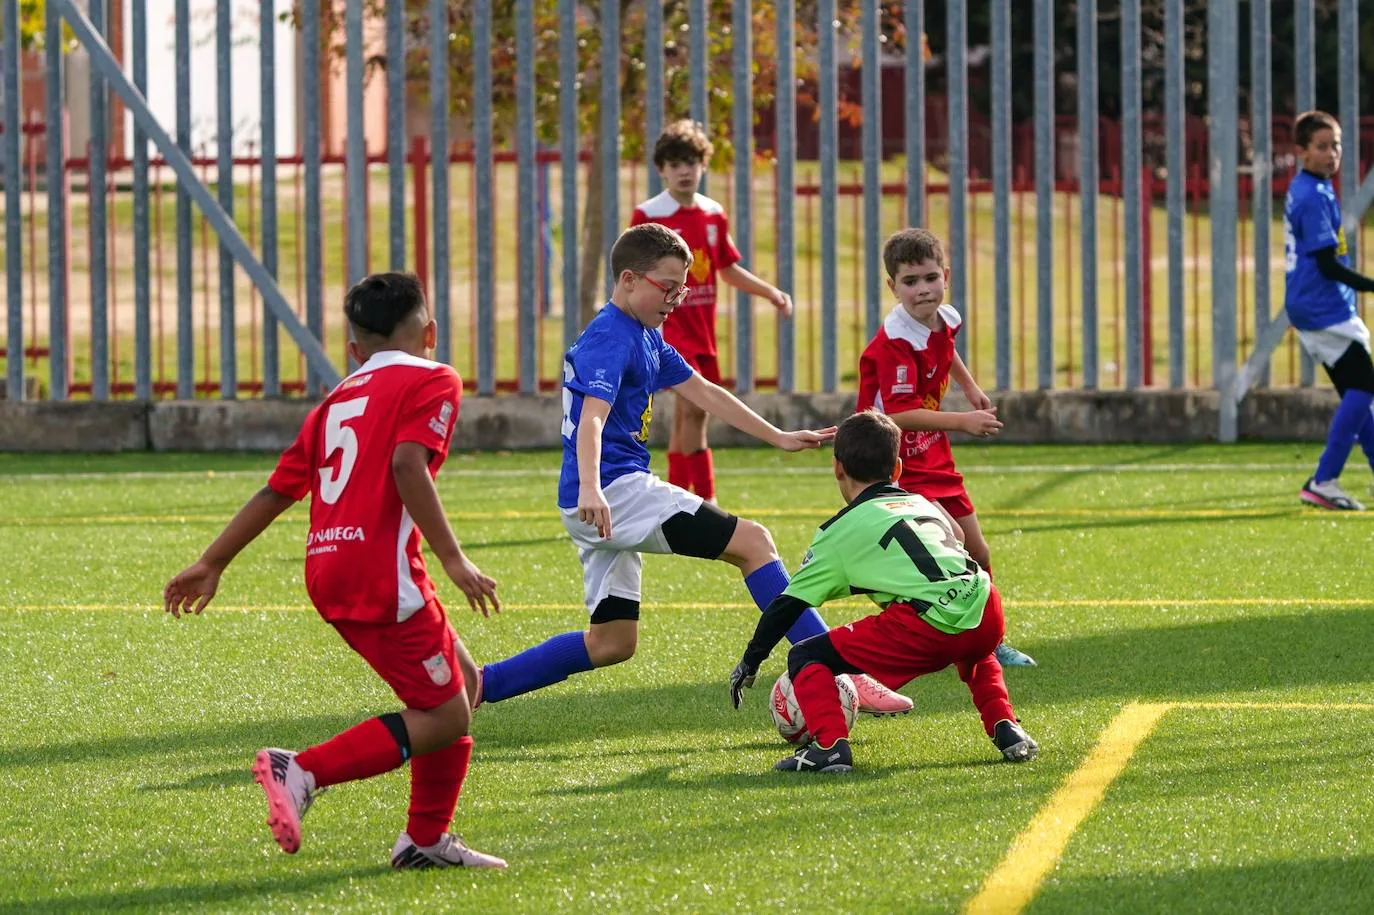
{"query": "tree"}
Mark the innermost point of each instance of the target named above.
(632, 63)
(30, 24)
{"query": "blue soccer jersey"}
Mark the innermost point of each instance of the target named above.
(622, 362)
(1312, 221)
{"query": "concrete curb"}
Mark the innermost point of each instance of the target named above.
(508, 423)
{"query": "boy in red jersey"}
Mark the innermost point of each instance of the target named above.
(904, 372)
(681, 155)
(367, 457)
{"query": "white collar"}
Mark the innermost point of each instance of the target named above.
(900, 325)
(389, 357)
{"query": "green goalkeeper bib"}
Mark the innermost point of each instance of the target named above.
(894, 546)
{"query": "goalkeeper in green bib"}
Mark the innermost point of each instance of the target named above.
(938, 606)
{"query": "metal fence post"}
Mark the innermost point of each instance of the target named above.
(1044, 190)
(1305, 73)
(396, 133)
(96, 191)
(481, 130)
(653, 88)
(1175, 127)
(314, 273)
(267, 50)
(1001, 186)
(14, 253)
(1262, 164)
(224, 182)
(1088, 156)
(438, 160)
(785, 149)
(915, 79)
(526, 202)
(872, 95)
(568, 164)
(1131, 190)
(956, 57)
(1222, 84)
(58, 358)
(829, 149)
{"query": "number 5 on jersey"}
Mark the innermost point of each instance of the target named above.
(338, 436)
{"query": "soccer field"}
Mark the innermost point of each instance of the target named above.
(1203, 705)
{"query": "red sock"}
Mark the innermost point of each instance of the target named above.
(819, 700)
(362, 751)
(679, 470)
(989, 691)
(703, 472)
(435, 780)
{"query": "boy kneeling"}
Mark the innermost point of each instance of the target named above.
(938, 606)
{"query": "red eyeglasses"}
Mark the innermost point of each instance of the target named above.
(672, 295)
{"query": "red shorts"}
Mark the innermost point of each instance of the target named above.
(707, 364)
(416, 658)
(958, 506)
(896, 646)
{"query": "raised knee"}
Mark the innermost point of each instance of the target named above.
(756, 541)
(604, 652)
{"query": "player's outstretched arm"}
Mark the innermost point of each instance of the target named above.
(410, 469)
(974, 422)
(193, 587)
(745, 281)
(780, 616)
(964, 379)
(717, 401)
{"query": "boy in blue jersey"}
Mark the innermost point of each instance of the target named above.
(1320, 299)
(614, 508)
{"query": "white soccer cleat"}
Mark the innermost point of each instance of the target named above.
(290, 791)
(449, 851)
(1329, 495)
(876, 699)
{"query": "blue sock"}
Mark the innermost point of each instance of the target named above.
(1366, 437)
(534, 668)
(766, 583)
(1345, 426)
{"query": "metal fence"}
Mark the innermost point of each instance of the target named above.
(1086, 252)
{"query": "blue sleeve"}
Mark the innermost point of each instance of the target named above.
(672, 368)
(598, 367)
(1311, 219)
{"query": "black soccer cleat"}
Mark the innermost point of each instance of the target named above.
(814, 758)
(1016, 745)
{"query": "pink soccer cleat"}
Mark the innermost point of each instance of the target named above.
(876, 699)
(290, 792)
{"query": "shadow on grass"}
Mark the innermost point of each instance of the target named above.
(1313, 885)
(1057, 480)
(192, 896)
(1003, 526)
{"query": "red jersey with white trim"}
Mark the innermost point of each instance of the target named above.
(691, 328)
(906, 367)
(362, 556)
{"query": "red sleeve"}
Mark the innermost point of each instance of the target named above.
(726, 255)
(295, 467)
(868, 383)
(638, 218)
(430, 412)
(895, 378)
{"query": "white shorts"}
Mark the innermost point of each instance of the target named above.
(640, 503)
(1330, 343)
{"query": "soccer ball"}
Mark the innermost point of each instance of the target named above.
(788, 717)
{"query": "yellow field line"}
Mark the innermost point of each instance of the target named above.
(1353, 602)
(1037, 849)
(1033, 853)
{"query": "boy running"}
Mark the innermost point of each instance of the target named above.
(614, 508)
(681, 156)
(938, 606)
(904, 372)
(367, 457)
(1320, 297)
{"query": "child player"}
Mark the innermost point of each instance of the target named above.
(614, 508)
(367, 456)
(904, 372)
(1320, 298)
(681, 156)
(938, 606)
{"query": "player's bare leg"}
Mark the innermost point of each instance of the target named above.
(612, 642)
(977, 547)
(750, 549)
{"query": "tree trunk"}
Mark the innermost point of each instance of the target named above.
(593, 253)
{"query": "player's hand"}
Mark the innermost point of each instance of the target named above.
(782, 302)
(803, 439)
(592, 509)
(977, 399)
(191, 589)
(982, 423)
(741, 677)
(476, 587)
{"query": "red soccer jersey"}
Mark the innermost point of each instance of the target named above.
(691, 328)
(362, 557)
(906, 367)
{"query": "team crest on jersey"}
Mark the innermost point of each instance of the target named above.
(438, 670)
(903, 385)
(599, 382)
(439, 424)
